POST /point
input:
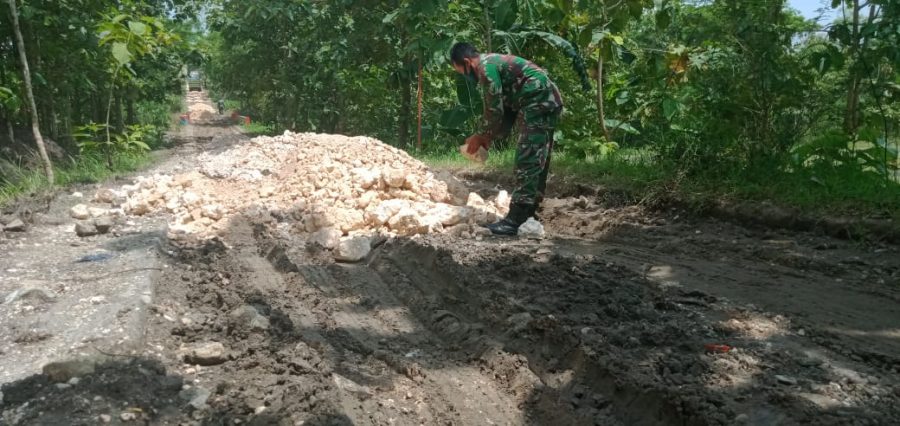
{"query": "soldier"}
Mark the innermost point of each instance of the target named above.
(513, 85)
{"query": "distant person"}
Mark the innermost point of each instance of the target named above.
(513, 85)
(221, 105)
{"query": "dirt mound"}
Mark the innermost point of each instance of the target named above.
(330, 188)
(202, 112)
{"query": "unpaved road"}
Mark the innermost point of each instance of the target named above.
(606, 323)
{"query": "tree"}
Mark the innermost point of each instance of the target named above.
(29, 92)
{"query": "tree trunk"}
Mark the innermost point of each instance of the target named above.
(8, 115)
(405, 109)
(419, 109)
(601, 112)
(851, 119)
(120, 119)
(132, 118)
(26, 77)
(9, 130)
(487, 25)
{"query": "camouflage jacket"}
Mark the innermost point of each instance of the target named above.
(511, 83)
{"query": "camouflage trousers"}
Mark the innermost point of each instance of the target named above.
(533, 155)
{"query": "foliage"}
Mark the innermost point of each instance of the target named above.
(83, 169)
(701, 89)
(91, 139)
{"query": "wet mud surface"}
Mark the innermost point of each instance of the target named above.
(626, 315)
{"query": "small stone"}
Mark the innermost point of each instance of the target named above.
(96, 300)
(136, 207)
(531, 229)
(544, 250)
(475, 200)
(191, 199)
(247, 317)
(448, 215)
(85, 229)
(105, 418)
(145, 299)
(196, 397)
(350, 386)
(108, 196)
(16, 225)
(103, 224)
(741, 418)
(97, 212)
(502, 202)
(266, 191)
(63, 371)
(352, 249)
(212, 211)
(77, 194)
(407, 222)
(327, 237)
(786, 380)
(521, 318)
(480, 231)
(29, 294)
(80, 212)
(128, 416)
(395, 178)
(211, 353)
(259, 410)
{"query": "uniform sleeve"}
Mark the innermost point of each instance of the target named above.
(493, 101)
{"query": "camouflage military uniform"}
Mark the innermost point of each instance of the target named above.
(513, 86)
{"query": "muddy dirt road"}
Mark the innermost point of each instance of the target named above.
(625, 315)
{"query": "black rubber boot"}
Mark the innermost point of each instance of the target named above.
(518, 214)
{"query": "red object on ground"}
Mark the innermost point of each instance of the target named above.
(715, 348)
(475, 141)
(247, 120)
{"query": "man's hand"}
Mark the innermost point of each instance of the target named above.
(477, 141)
(476, 148)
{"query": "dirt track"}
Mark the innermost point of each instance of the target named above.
(605, 323)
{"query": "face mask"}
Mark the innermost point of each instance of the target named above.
(471, 75)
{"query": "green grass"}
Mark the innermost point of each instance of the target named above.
(832, 191)
(259, 129)
(628, 169)
(86, 169)
(835, 191)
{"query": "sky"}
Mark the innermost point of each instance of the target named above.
(808, 8)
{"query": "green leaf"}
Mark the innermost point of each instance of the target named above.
(670, 107)
(612, 123)
(141, 145)
(453, 120)
(120, 53)
(663, 19)
(137, 28)
(468, 95)
(597, 37)
(505, 14)
(390, 17)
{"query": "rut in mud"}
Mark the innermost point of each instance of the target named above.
(438, 330)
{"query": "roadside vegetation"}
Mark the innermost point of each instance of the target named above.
(104, 84)
(704, 99)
